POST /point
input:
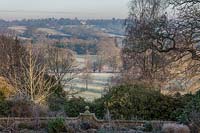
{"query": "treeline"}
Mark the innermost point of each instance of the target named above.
(53, 22)
(80, 49)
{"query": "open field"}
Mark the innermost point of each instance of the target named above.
(81, 59)
(49, 31)
(96, 85)
(19, 29)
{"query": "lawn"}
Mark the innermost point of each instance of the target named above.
(96, 85)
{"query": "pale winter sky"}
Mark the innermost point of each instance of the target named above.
(19, 9)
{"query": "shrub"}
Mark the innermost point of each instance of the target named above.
(57, 99)
(98, 107)
(21, 108)
(141, 102)
(75, 106)
(5, 108)
(148, 127)
(195, 121)
(56, 125)
(56, 103)
(2, 96)
(192, 104)
(175, 128)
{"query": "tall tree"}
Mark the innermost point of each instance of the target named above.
(32, 70)
(36, 85)
(60, 62)
(86, 72)
(141, 59)
(160, 47)
(11, 54)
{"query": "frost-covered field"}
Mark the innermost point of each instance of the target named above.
(96, 85)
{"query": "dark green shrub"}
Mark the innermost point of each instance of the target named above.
(57, 99)
(56, 125)
(56, 103)
(5, 106)
(98, 107)
(148, 127)
(192, 104)
(75, 106)
(183, 118)
(2, 96)
(141, 102)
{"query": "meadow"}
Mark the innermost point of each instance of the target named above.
(96, 85)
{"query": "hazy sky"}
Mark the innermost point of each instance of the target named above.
(18, 9)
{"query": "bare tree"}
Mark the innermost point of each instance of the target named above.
(141, 60)
(184, 3)
(161, 48)
(11, 53)
(108, 54)
(86, 72)
(35, 85)
(61, 63)
(32, 73)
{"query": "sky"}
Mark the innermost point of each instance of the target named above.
(83, 9)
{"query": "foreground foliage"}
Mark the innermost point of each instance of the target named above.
(56, 126)
(140, 102)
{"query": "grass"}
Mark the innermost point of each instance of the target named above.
(20, 29)
(89, 96)
(96, 85)
(49, 31)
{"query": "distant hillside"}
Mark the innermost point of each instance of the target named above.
(81, 36)
(114, 26)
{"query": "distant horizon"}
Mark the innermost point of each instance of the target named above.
(82, 9)
(46, 14)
